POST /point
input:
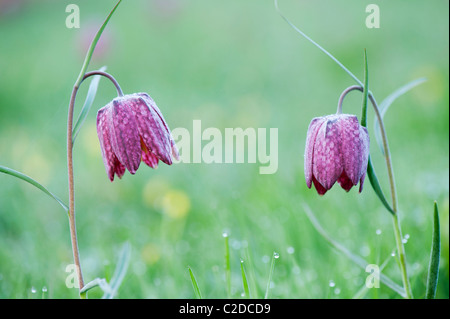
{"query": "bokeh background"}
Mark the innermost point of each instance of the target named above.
(229, 64)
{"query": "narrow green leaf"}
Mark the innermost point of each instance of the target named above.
(90, 51)
(272, 266)
(87, 105)
(97, 282)
(9, 171)
(362, 292)
(244, 281)
(365, 92)
(353, 257)
(376, 186)
(317, 45)
(119, 273)
(433, 267)
(227, 265)
(197, 292)
(387, 102)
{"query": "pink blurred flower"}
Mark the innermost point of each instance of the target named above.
(337, 149)
(132, 129)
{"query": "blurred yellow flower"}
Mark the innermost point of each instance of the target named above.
(150, 254)
(176, 204)
(154, 191)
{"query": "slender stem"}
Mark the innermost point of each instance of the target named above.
(395, 216)
(72, 224)
(107, 75)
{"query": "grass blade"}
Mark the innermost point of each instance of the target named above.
(197, 292)
(87, 105)
(433, 268)
(362, 292)
(97, 282)
(317, 45)
(376, 186)
(90, 51)
(120, 271)
(9, 171)
(227, 265)
(272, 266)
(355, 258)
(365, 91)
(244, 281)
(387, 102)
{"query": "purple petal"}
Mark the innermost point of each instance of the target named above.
(112, 164)
(124, 134)
(365, 156)
(313, 129)
(150, 159)
(152, 128)
(355, 147)
(345, 182)
(327, 159)
(319, 188)
(152, 105)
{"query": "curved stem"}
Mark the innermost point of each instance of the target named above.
(107, 75)
(396, 220)
(71, 212)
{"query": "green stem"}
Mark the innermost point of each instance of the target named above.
(395, 215)
(81, 77)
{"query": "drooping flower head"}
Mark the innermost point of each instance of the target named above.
(132, 129)
(337, 149)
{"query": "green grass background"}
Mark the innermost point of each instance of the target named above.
(229, 64)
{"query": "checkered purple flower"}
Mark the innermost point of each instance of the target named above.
(337, 149)
(132, 129)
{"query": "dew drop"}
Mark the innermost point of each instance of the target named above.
(393, 254)
(44, 289)
(290, 250)
(378, 232)
(276, 255)
(332, 283)
(224, 234)
(337, 291)
(33, 290)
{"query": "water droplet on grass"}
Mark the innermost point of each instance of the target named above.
(378, 232)
(276, 255)
(290, 250)
(332, 283)
(33, 290)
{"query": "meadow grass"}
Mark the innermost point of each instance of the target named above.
(229, 64)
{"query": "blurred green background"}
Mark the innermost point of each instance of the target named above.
(229, 64)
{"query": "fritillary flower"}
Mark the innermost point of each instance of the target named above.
(132, 129)
(337, 149)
